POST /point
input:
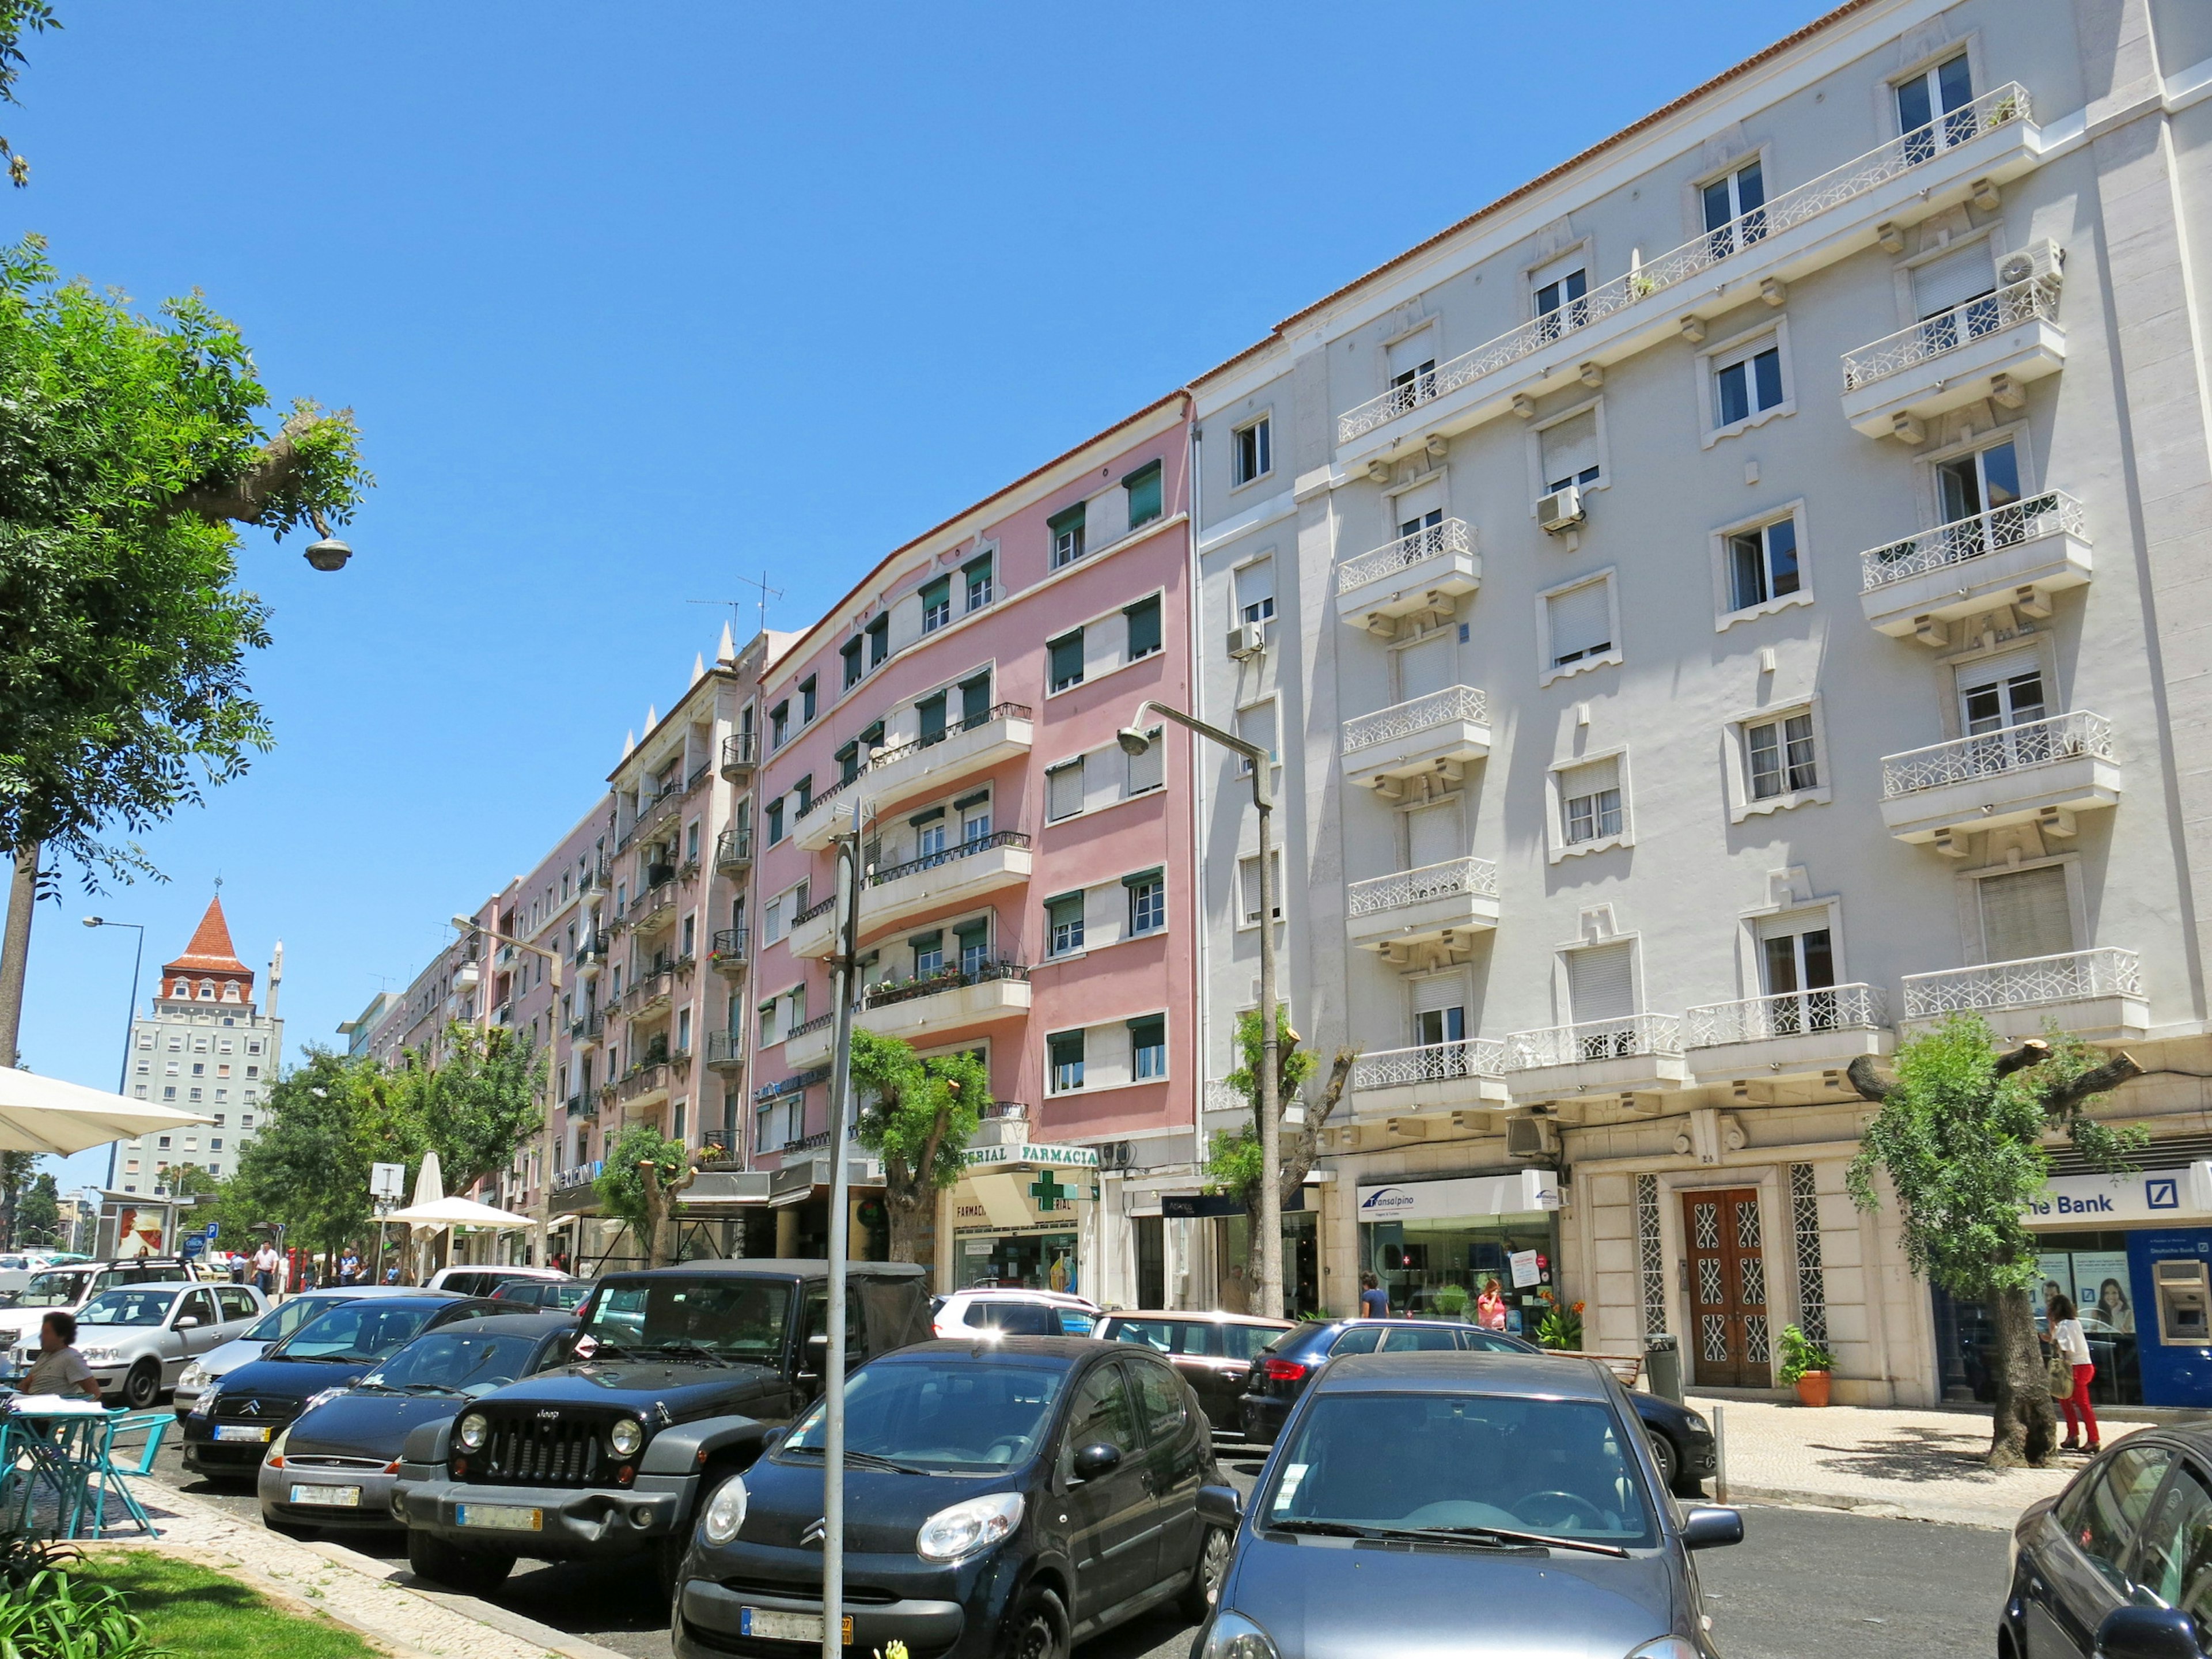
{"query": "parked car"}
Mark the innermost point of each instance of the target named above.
(1510, 1505)
(2120, 1564)
(71, 1287)
(1013, 1499)
(680, 1374)
(232, 1424)
(1010, 1313)
(1213, 1350)
(279, 1323)
(483, 1281)
(554, 1295)
(1682, 1440)
(336, 1464)
(138, 1338)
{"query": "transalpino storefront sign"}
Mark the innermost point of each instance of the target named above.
(2092, 1200)
(1521, 1193)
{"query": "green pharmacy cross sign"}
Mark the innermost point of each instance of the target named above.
(1048, 1192)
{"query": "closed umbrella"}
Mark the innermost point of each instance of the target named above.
(45, 1115)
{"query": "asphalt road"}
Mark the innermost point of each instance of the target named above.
(1804, 1584)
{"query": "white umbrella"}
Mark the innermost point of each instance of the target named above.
(430, 1180)
(456, 1213)
(45, 1115)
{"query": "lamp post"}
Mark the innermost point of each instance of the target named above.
(847, 963)
(1134, 741)
(470, 925)
(130, 1012)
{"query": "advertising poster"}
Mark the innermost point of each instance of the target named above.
(2101, 1290)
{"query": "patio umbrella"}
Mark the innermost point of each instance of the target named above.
(456, 1213)
(45, 1115)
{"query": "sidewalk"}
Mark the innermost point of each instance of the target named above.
(1919, 1465)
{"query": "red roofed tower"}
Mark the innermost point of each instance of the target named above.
(208, 970)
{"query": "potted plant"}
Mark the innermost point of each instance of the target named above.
(1560, 1327)
(1806, 1366)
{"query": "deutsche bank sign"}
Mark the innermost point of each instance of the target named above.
(2146, 1195)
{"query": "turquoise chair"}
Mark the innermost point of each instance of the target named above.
(107, 1474)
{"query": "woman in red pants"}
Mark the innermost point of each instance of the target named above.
(2067, 1335)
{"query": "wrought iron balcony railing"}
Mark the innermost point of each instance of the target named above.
(1428, 1063)
(738, 750)
(1962, 540)
(1430, 542)
(952, 979)
(733, 848)
(1787, 1014)
(1946, 330)
(2070, 976)
(1475, 877)
(1987, 754)
(1594, 1040)
(1450, 706)
(948, 855)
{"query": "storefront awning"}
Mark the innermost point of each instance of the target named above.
(716, 1192)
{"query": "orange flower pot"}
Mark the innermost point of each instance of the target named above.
(1812, 1388)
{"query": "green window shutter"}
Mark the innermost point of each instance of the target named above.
(931, 816)
(1067, 660)
(1060, 904)
(931, 710)
(1069, 518)
(879, 640)
(972, 933)
(1144, 487)
(1067, 1047)
(1143, 878)
(1148, 1031)
(980, 797)
(928, 941)
(936, 604)
(1143, 618)
(975, 699)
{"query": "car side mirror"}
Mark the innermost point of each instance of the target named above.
(1706, 1528)
(2147, 1633)
(1091, 1461)
(189, 1322)
(1223, 1505)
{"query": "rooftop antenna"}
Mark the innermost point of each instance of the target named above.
(766, 593)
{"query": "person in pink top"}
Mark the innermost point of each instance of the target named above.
(1490, 1307)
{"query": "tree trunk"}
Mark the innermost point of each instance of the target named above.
(661, 1210)
(15, 951)
(2026, 1421)
(911, 1208)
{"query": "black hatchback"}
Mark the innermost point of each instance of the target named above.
(1012, 1497)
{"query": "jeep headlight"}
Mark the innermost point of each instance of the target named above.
(626, 1436)
(954, 1534)
(725, 1512)
(474, 1430)
(1232, 1636)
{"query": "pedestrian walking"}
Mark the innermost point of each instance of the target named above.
(60, 1368)
(1490, 1307)
(1374, 1300)
(2072, 1344)
(349, 1266)
(264, 1268)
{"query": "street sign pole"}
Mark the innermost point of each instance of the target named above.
(841, 1184)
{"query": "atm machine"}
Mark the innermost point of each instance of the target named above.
(2183, 1287)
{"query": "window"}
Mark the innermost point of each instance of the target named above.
(1256, 725)
(1734, 195)
(1999, 693)
(779, 725)
(804, 790)
(1148, 901)
(1065, 1052)
(974, 817)
(1778, 756)
(1559, 300)
(772, 919)
(1066, 654)
(976, 576)
(1248, 878)
(775, 821)
(974, 701)
(880, 641)
(936, 604)
(928, 953)
(1795, 957)
(1580, 623)
(1439, 1010)
(2176, 1565)
(1569, 448)
(1413, 368)
(1255, 591)
(1589, 801)
(1600, 986)
(2104, 1527)
(1067, 536)
(1144, 620)
(1250, 453)
(1145, 492)
(929, 832)
(2026, 913)
(1980, 483)
(1063, 789)
(1747, 381)
(1148, 1047)
(850, 651)
(1148, 771)
(974, 938)
(1762, 563)
(806, 701)
(1064, 923)
(1946, 89)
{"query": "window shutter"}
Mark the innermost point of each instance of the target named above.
(974, 698)
(1952, 279)
(1066, 659)
(1581, 620)
(2026, 913)
(1435, 834)
(1143, 619)
(1598, 980)
(1439, 992)
(1589, 780)
(931, 711)
(1256, 725)
(931, 816)
(1256, 588)
(1425, 667)
(1149, 771)
(1412, 351)
(1064, 790)
(936, 594)
(1570, 447)
(1996, 670)
(1141, 877)
(1144, 494)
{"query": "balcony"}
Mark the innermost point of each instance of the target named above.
(938, 763)
(1986, 347)
(646, 1085)
(920, 1009)
(2041, 771)
(962, 873)
(1427, 573)
(654, 909)
(1435, 904)
(1795, 1033)
(730, 949)
(810, 1043)
(590, 953)
(1431, 1077)
(725, 1051)
(814, 930)
(1438, 734)
(739, 756)
(649, 994)
(586, 1029)
(2097, 995)
(1636, 1054)
(2017, 555)
(1920, 173)
(733, 851)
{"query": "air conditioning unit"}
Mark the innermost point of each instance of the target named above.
(1531, 1137)
(1247, 640)
(1561, 510)
(1117, 1155)
(2037, 261)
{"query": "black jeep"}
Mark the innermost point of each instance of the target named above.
(688, 1370)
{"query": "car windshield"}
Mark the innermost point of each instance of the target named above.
(735, 1318)
(280, 1323)
(972, 1417)
(52, 1290)
(127, 1308)
(1448, 1462)
(353, 1330)
(453, 1360)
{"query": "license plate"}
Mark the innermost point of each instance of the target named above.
(769, 1625)
(241, 1432)
(336, 1498)
(510, 1517)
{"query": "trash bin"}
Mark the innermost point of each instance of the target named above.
(1662, 1367)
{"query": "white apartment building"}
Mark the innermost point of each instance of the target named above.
(1734, 600)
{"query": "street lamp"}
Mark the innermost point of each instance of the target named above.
(131, 1014)
(1135, 742)
(470, 925)
(329, 553)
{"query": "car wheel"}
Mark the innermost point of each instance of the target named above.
(469, 1571)
(1662, 1454)
(143, 1385)
(1205, 1586)
(668, 1561)
(1037, 1628)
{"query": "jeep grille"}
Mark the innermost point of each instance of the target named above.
(526, 1449)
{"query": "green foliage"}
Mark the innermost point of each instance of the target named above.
(1561, 1327)
(39, 1211)
(328, 1120)
(917, 1115)
(1293, 1065)
(127, 445)
(1800, 1354)
(1232, 1162)
(621, 1185)
(55, 1615)
(15, 17)
(1962, 1147)
(479, 1104)
(194, 1612)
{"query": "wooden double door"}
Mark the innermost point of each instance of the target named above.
(1730, 1344)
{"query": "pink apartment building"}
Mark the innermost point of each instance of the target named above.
(1029, 891)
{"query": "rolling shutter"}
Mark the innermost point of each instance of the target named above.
(1582, 621)
(1434, 834)
(1952, 279)
(1597, 979)
(2025, 914)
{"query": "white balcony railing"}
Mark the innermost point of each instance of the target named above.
(2007, 104)
(1594, 1040)
(1477, 877)
(2072, 976)
(1222, 1097)
(1431, 542)
(1450, 706)
(1988, 754)
(1430, 1062)
(2053, 511)
(1791, 1013)
(1946, 330)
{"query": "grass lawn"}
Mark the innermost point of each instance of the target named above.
(191, 1611)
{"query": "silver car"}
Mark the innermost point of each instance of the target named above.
(280, 1322)
(138, 1338)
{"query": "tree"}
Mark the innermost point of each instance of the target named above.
(1233, 1159)
(918, 1115)
(39, 1211)
(1960, 1136)
(645, 1172)
(328, 1120)
(15, 17)
(477, 1107)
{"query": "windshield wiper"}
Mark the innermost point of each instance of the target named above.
(689, 1344)
(1507, 1535)
(865, 1459)
(1321, 1528)
(434, 1388)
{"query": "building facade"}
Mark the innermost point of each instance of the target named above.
(1738, 599)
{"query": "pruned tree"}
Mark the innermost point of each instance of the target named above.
(918, 1115)
(1960, 1136)
(645, 1173)
(479, 1105)
(1233, 1157)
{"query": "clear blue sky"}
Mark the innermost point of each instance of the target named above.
(630, 300)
